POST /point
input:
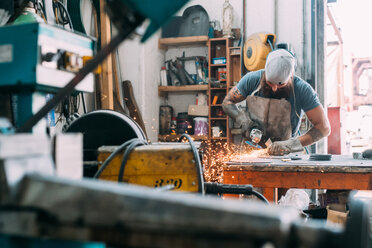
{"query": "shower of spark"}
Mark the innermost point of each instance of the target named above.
(216, 153)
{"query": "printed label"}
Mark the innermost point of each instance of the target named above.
(6, 53)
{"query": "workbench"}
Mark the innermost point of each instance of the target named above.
(342, 172)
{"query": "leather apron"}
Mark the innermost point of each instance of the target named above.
(272, 116)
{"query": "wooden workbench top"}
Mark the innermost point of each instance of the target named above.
(337, 164)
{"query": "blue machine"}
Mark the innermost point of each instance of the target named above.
(37, 59)
(37, 56)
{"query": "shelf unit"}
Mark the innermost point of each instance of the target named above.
(218, 47)
(218, 122)
(221, 47)
(163, 91)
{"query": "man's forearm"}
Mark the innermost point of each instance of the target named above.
(231, 110)
(228, 104)
(312, 136)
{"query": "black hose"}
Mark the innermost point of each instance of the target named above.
(83, 100)
(133, 144)
(64, 12)
(219, 188)
(260, 196)
(108, 160)
(197, 161)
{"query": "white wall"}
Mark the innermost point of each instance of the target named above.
(141, 63)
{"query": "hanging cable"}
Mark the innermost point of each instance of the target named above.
(109, 159)
(61, 14)
(83, 101)
(131, 146)
(197, 161)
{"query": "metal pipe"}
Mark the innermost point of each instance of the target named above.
(276, 18)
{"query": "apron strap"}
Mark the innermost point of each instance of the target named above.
(259, 86)
(256, 90)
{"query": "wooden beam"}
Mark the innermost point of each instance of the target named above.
(334, 25)
(106, 86)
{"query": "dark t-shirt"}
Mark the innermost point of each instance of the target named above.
(304, 99)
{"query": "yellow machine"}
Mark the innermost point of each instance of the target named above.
(256, 48)
(155, 165)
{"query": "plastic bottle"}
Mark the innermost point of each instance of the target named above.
(163, 77)
(173, 126)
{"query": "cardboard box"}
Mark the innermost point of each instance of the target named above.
(198, 110)
(336, 214)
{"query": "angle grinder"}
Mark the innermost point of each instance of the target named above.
(255, 135)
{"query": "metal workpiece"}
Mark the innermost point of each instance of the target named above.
(139, 216)
(161, 217)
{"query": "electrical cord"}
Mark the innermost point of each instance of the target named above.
(197, 161)
(117, 151)
(64, 15)
(132, 145)
(260, 196)
(83, 101)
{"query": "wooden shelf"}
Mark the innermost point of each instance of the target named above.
(164, 43)
(218, 118)
(224, 88)
(174, 138)
(218, 138)
(182, 88)
(217, 65)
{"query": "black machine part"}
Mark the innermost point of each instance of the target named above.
(367, 153)
(104, 127)
(320, 157)
(219, 188)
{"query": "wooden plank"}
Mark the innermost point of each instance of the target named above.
(338, 164)
(303, 180)
(183, 88)
(174, 138)
(106, 86)
(131, 103)
(182, 41)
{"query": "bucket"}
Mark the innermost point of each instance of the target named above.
(201, 126)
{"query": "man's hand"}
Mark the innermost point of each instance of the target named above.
(285, 147)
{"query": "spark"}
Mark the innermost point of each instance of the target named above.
(217, 153)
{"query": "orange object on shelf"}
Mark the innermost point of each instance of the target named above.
(215, 98)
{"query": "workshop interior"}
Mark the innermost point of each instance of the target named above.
(113, 129)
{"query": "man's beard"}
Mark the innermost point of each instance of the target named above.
(280, 93)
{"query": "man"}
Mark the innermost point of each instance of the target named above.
(276, 100)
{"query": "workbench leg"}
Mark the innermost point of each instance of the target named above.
(271, 194)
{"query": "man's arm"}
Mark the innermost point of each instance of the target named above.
(228, 105)
(320, 129)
